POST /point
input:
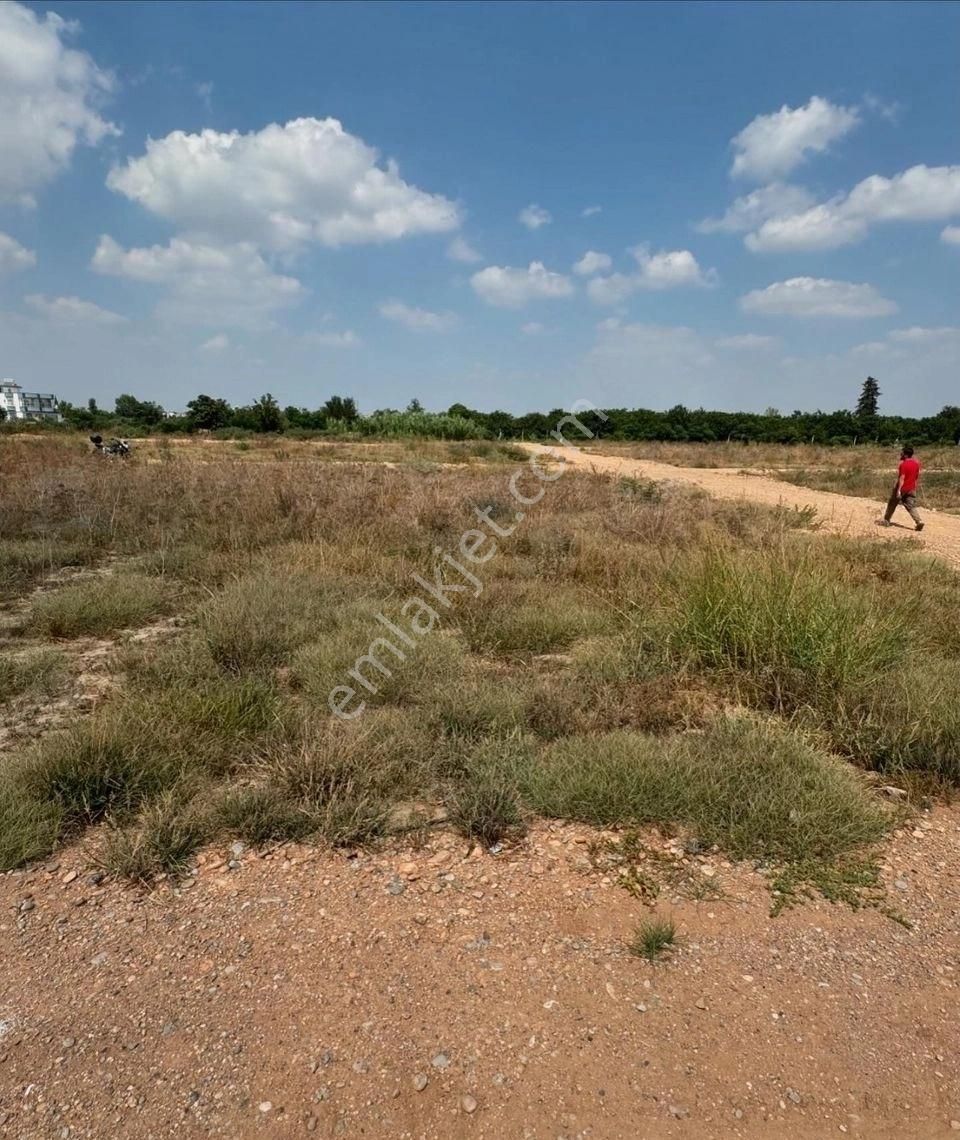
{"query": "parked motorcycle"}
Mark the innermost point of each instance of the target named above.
(114, 447)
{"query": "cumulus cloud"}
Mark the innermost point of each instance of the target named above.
(419, 320)
(592, 262)
(817, 297)
(49, 99)
(670, 269)
(774, 201)
(72, 309)
(216, 343)
(772, 145)
(282, 187)
(205, 284)
(590, 211)
(747, 342)
(509, 287)
(920, 194)
(13, 255)
(534, 216)
(950, 235)
(461, 250)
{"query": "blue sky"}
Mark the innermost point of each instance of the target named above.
(514, 206)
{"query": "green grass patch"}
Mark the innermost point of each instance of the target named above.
(782, 627)
(162, 840)
(752, 787)
(39, 671)
(653, 938)
(100, 605)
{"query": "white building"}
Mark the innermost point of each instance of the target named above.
(20, 405)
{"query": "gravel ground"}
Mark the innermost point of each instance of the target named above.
(438, 992)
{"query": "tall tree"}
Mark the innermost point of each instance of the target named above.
(267, 414)
(869, 401)
(340, 408)
(208, 413)
(140, 411)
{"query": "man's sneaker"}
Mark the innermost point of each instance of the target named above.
(919, 526)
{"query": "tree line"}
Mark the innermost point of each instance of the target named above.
(339, 416)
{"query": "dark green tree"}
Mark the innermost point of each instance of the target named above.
(138, 411)
(414, 406)
(267, 415)
(206, 413)
(869, 402)
(340, 408)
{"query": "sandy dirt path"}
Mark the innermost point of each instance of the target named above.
(838, 514)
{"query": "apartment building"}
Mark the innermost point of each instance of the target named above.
(20, 405)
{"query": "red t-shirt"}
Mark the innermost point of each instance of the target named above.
(909, 474)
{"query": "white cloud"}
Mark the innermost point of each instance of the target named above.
(461, 250)
(206, 284)
(216, 343)
(283, 187)
(49, 95)
(592, 262)
(917, 334)
(950, 235)
(747, 342)
(920, 194)
(822, 227)
(511, 288)
(532, 328)
(13, 255)
(346, 339)
(72, 309)
(777, 200)
(590, 211)
(773, 145)
(611, 290)
(419, 320)
(670, 269)
(534, 216)
(817, 297)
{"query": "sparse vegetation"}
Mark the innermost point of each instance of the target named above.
(653, 938)
(637, 654)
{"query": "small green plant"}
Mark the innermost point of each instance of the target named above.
(653, 938)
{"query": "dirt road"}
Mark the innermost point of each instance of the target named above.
(441, 993)
(841, 514)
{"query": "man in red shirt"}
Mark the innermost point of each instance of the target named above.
(905, 491)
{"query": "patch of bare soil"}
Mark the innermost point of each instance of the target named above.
(438, 992)
(89, 676)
